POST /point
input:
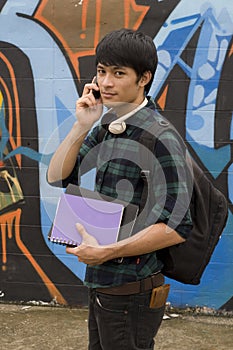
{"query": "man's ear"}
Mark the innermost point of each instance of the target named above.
(145, 78)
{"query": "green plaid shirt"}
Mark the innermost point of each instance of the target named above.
(118, 175)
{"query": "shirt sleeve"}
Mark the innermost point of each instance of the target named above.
(171, 186)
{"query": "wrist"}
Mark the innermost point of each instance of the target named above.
(78, 131)
(111, 252)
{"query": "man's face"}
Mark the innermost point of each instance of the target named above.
(119, 85)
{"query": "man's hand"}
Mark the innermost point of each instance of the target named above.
(89, 251)
(88, 109)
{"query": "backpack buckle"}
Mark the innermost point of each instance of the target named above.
(145, 174)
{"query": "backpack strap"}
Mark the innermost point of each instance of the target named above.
(149, 139)
(101, 135)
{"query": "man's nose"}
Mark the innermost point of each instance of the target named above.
(107, 80)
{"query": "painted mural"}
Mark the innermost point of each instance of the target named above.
(46, 56)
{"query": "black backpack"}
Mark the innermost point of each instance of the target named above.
(187, 261)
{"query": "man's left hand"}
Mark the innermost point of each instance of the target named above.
(89, 251)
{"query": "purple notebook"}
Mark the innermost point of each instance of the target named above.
(102, 219)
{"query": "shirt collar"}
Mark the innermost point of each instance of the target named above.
(139, 119)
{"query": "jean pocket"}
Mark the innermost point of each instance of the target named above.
(111, 303)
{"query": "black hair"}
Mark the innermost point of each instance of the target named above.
(128, 48)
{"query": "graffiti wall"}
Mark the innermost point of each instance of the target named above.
(46, 56)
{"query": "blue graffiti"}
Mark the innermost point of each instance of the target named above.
(215, 23)
(26, 151)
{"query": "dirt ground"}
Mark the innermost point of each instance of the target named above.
(47, 328)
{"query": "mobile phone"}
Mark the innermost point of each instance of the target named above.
(96, 93)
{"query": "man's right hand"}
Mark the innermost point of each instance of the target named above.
(88, 109)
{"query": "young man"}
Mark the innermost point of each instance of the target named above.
(122, 276)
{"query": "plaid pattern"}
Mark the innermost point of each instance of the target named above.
(119, 176)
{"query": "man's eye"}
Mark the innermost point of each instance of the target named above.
(100, 71)
(118, 73)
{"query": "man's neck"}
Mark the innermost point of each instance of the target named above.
(122, 109)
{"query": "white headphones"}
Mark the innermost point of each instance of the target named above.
(118, 126)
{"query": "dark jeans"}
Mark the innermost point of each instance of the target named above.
(122, 322)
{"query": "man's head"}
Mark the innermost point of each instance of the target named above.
(128, 48)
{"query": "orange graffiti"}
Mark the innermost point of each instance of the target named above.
(90, 19)
(9, 223)
(231, 51)
(15, 142)
(162, 99)
(84, 18)
(137, 8)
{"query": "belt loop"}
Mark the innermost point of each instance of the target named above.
(142, 286)
(152, 281)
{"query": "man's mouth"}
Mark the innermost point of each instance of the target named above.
(107, 95)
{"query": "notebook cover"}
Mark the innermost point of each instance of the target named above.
(129, 215)
(102, 219)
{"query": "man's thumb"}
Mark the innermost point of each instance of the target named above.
(80, 229)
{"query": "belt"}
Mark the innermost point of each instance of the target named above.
(137, 287)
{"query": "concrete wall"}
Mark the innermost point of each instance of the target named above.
(46, 55)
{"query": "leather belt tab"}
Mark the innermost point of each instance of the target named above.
(137, 287)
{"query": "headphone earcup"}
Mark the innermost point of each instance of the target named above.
(117, 128)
